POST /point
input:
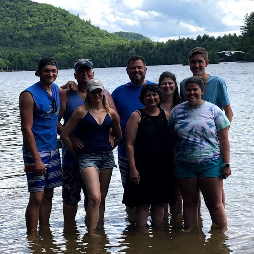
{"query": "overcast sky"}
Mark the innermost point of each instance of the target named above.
(161, 20)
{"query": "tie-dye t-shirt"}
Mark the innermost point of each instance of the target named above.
(196, 128)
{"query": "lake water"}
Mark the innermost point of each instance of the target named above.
(119, 235)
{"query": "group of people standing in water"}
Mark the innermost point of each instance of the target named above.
(170, 148)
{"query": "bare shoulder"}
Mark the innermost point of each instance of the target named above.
(26, 98)
(135, 116)
(63, 93)
(80, 111)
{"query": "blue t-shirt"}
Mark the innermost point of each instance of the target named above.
(126, 101)
(196, 130)
(45, 117)
(215, 91)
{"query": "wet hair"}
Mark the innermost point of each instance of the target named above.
(152, 88)
(176, 97)
(135, 58)
(195, 80)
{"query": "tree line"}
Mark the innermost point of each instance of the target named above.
(31, 30)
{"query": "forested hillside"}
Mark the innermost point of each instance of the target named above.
(132, 36)
(30, 30)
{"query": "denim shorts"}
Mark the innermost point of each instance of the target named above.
(186, 170)
(98, 160)
(53, 178)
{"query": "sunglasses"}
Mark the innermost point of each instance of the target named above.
(54, 106)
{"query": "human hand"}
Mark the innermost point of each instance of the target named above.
(134, 176)
(226, 172)
(39, 168)
(76, 143)
(70, 86)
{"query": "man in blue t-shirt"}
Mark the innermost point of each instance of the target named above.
(126, 102)
(39, 108)
(215, 87)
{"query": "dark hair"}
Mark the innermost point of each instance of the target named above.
(195, 80)
(152, 88)
(135, 58)
(47, 61)
(176, 97)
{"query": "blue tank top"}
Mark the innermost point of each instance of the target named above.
(45, 117)
(94, 135)
(74, 100)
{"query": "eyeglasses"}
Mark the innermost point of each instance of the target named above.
(54, 106)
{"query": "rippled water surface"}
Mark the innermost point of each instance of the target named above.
(119, 235)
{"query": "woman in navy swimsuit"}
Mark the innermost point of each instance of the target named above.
(96, 121)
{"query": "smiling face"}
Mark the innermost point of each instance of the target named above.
(84, 74)
(96, 94)
(193, 94)
(198, 64)
(167, 86)
(151, 99)
(48, 74)
(136, 71)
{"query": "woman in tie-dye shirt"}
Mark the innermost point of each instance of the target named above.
(200, 161)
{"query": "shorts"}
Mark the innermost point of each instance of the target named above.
(98, 160)
(53, 177)
(72, 185)
(124, 169)
(186, 170)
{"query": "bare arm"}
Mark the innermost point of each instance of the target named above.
(70, 125)
(225, 150)
(116, 129)
(26, 107)
(110, 101)
(228, 112)
(130, 137)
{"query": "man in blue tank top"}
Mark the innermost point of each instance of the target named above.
(126, 101)
(69, 101)
(39, 107)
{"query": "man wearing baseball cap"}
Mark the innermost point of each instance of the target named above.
(39, 107)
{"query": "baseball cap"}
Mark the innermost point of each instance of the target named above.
(46, 61)
(198, 50)
(83, 62)
(94, 84)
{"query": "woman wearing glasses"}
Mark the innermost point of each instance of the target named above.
(96, 161)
